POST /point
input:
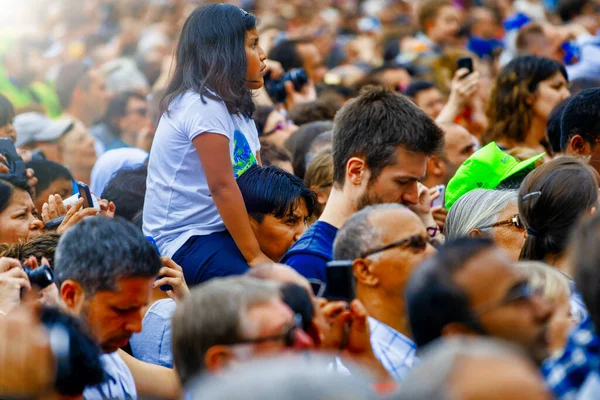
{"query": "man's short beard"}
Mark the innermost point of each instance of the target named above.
(368, 199)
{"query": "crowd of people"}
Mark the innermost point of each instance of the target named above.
(312, 199)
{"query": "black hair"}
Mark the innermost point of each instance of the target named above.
(271, 154)
(551, 200)
(8, 183)
(99, 251)
(313, 111)
(374, 124)
(418, 86)
(261, 115)
(273, 191)
(117, 107)
(46, 172)
(39, 247)
(211, 58)
(70, 76)
(553, 130)
(127, 189)
(581, 116)
(569, 9)
(85, 365)
(299, 301)
(433, 300)
(299, 143)
(287, 54)
(585, 258)
(7, 111)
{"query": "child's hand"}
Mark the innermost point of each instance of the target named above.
(259, 260)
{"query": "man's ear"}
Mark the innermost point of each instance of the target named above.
(72, 296)
(218, 358)
(436, 166)
(363, 272)
(475, 233)
(356, 171)
(579, 146)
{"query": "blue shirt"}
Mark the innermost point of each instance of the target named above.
(567, 373)
(311, 253)
(118, 383)
(394, 351)
(153, 343)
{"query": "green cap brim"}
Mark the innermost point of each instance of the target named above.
(521, 166)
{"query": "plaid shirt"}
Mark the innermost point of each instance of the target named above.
(394, 350)
(566, 373)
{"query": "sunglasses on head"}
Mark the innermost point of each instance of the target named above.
(280, 126)
(515, 221)
(416, 242)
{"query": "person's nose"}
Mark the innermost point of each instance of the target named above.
(299, 231)
(262, 54)
(134, 323)
(430, 250)
(564, 93)
(36, 224)
(411, 195)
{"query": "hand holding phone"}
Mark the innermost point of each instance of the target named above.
(465, 62)
(11, 159)
(340, 281)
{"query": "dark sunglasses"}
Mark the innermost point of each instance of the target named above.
(515, 221)
(288, 335)
(280, 126)
(521, 291)
(416, 242)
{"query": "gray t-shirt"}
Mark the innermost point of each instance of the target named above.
(119, 382)
(178, 203)
(153, 343)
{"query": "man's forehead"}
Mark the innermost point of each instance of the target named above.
(488, 273)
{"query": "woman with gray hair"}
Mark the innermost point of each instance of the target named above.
(492, 213)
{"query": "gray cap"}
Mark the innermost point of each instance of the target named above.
(37, 127)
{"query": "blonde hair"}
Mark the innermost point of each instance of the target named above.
(318, 176)
(550, 282)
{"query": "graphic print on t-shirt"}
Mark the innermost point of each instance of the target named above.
(243, 156)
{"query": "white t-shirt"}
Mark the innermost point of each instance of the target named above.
(178, 203)
(119, 382)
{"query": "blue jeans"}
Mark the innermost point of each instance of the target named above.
(210, 256)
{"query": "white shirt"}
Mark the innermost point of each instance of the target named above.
(178, 203)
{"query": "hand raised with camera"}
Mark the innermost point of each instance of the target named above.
(49, 295)
(12, 279)
(172, 274)
(75, 215)
(107, 208)
(463, 90)
(307, 94)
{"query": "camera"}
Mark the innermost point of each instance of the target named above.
(41, 277)
(14, 162)
(340, 280)
(276, 87)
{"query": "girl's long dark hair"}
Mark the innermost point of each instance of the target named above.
(211, 56)
(552, 198)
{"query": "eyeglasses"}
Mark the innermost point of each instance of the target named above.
(416, 242)
(521, 291)
(515, 221)
(280, 126)
(142, 112)
(288, 335)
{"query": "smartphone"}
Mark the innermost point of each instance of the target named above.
(54, 223)
(440, 201)
(340, 281)
(85, 194)
(465, 62)
(164, 288)
(14, 162)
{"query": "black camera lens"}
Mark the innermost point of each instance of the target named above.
(41, 277)
(276, 87)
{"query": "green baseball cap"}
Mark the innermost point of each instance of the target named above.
(485, 169)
